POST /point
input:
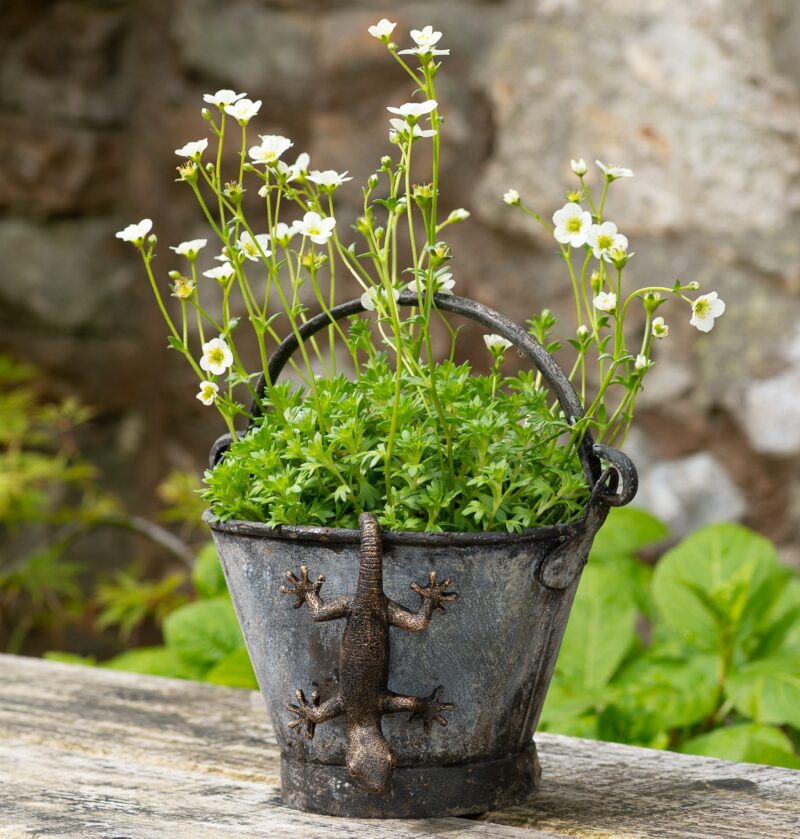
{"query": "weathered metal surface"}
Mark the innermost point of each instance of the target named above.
(88, 753)
(364, 696)
(495, 654)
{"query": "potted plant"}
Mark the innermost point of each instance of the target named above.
(428, 524)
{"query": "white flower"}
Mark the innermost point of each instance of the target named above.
(603, 238)
(458, 215)
(136, 232)
(208, 392)
(189, 249)
(613, 172)
(642, 363)
(659, 328)
(193, 150)
(250, 248)
(271, 148)
(284, 233)
(222, 272)
(412, 111)
(605, 301)
(317, 228)
(375, 295)
(511, 197)
(425, 40)
(442, 284)
(217, 356)
(496, 344)
(572, 224)
(425, 37)
(705, 310)
(293, 172)
(400, 128)
(582, 331)
(329, 178)
(223, 97)
(183, 287)
(382, 30)
(243, 110)
(579, 167)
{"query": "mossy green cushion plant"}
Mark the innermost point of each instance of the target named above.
(424, 444)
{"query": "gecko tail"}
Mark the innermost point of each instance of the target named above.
(370, 759)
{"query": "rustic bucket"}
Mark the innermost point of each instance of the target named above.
(471, 680)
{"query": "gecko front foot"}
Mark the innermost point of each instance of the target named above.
(430, 710)
(435, 592)
(305, 711)
(303, 587)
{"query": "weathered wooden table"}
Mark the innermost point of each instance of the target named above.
(87, 752)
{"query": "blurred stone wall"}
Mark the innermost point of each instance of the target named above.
(700, 97)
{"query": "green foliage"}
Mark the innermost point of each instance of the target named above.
(511, 472)
(702, 655)
(202, 639)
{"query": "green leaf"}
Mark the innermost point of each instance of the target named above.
(63, 657)
(747, 742)
(709, 587)
(679, 691)
(234, 670)
(601, 628)
(203, 633)
(207, 576)
(626, 531)
(768, 690)
(155, 661)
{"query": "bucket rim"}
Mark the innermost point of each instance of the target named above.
(352, 536)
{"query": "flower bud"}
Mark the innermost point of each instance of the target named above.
(579, 167)
(379, 231)
(386, 163)
(152, 240)
(692, 286)
(582, 331)
(511, 197)
(596, 281)
(206, 114)
(652, 300)
(373, 181)
(458, 215)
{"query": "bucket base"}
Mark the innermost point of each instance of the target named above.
(417, 792)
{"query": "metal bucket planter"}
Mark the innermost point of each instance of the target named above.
(382, 705)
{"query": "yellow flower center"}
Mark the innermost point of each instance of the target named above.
(574, 224)
(702, 308)
(604, 241)
(216, 356)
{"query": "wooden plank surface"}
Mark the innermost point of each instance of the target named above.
(91, 753)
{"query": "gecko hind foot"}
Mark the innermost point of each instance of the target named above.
(303, 587)
(431, 710)
(305, 712)
(436, 592)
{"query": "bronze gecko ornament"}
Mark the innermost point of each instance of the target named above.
(364, 695)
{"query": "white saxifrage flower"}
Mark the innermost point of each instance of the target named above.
(283, 233)
(400, 128)
(222, 272)
(193, 150)
(659, 328)
(496, 344)
(705, 310)
(382, 30)
(375, 296)
(511, 197)
(572, 224)
(604, 238)
(243, 110)
(425, 40)
(189, 249)
(135, 232)
(295, 170)
(579, 167)
(271, 148)
(329, 179)
(315, 227)
(253, 248)
(412, 111)
(605, 301)
(223, 97)
(208, 393)
(612, 172)
(442, 284)
(217, 356)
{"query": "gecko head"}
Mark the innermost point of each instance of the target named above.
(370, 759)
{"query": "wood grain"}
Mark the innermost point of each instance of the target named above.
(86, 752)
